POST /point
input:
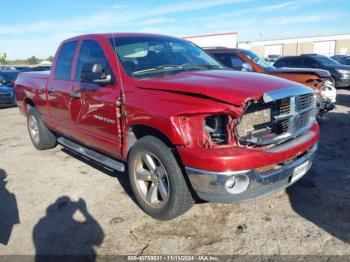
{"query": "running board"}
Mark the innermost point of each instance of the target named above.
(102, 159)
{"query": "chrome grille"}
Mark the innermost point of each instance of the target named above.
(284, 106)
(305, 101)
(292, 113)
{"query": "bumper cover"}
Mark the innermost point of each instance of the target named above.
(210, 185)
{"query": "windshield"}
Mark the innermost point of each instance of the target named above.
(326, 61)
(152, 55)
(258, 60)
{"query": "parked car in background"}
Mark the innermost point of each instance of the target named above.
(37, 69)
(340, 73)
(342, 59)
(272, 58)
(7, 96)
(317, 79)
(8, 77)
(20, 68)
(183, 124)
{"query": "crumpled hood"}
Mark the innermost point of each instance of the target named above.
(229, 86)
(318, 72)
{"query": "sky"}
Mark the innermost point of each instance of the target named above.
(37, 27)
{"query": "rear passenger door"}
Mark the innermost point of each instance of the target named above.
(93, 106)
(59, 87)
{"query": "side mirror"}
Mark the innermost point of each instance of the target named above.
(95, 73)
(247, 67)
(104, 80)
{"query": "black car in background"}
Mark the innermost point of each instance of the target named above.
(340, 73)
(342, 59)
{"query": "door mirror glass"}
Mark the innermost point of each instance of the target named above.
(247, 67)
(94, 73)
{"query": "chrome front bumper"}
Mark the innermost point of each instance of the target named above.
(212, 186)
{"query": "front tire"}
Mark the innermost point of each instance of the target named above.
(42, 138)
(157, 180)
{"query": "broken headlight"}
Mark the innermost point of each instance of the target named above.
(256, 121)
(216, 128)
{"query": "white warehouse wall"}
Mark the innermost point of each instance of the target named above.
(224, 40)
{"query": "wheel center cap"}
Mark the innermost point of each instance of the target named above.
(154, 178)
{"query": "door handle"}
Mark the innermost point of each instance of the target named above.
(75, 95)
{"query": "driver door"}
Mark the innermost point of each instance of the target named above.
(94, 96)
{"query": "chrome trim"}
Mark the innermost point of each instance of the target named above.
(210, 185)
(286, 92)
(294, 94)
(195, 171)
(292, 143)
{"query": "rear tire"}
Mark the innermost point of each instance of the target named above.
(42, 138)
(157, 180)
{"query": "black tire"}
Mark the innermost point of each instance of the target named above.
(179, 196)
(44, 139)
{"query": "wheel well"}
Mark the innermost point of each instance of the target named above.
(138, 131)
(28, 103)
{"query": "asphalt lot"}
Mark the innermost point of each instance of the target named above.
(59, 203)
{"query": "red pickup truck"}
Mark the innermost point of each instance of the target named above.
(186, 127)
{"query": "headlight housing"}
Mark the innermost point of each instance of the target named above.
(216, 128)
(328, 83)
(207, 130)
(343, 72)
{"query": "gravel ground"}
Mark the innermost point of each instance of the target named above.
(56, 202)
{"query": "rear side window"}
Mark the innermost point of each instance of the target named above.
(64, 61)
(282, 62)
(90, 55)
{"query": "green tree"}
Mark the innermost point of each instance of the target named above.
(33, 60)
(50, 58)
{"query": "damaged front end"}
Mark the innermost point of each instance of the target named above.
(240, 156)
(326, 94)
(281, 115)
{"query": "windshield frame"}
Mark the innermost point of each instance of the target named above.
(163, 69)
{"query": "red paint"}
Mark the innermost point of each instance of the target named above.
(162, 103)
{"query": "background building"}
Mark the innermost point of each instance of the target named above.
(224, 40)
(326, 45)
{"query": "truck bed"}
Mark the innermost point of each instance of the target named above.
(32, 85)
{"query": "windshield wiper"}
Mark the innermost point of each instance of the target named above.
(177, 68)
(201, 66)
(158, 68)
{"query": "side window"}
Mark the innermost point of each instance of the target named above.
(283, 62)
(92, 62)
(224, 59)
(237, 63)
(64, 61)
(294, 62)
(309, 62)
